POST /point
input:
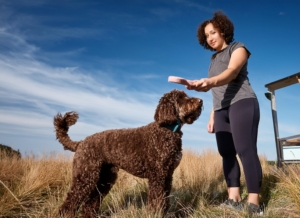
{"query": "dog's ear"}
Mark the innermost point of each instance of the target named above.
(165, 113)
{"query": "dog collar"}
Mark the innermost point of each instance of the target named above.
(174, 127)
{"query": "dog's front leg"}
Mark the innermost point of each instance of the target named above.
(158, 194)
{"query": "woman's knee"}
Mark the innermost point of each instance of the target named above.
(225, 144)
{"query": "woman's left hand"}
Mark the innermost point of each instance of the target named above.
(202, 85)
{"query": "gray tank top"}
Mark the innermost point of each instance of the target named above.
(237, 89)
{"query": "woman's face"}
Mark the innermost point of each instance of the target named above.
(214, 38)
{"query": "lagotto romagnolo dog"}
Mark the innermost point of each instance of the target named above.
(152, 151)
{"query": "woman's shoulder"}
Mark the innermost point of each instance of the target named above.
(236, 45)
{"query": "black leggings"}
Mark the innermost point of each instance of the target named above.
(236, 133)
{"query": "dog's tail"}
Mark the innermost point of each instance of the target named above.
(62, 124)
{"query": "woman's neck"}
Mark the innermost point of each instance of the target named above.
(223, 46)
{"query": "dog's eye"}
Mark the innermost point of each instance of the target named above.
(181, 96)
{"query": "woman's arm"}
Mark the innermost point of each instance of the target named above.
(237, 61)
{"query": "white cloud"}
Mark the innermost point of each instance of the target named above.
(192, 4)
(164, 13)
(32, 92)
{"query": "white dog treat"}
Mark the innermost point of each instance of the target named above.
(179, 80)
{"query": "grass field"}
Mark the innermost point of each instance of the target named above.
(36, 186)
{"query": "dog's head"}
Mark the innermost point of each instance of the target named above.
(176, 105)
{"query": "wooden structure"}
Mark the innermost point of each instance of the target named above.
(288, 149)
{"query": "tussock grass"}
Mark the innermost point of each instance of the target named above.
(36, 186)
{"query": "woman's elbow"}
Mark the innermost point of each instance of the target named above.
(234, 73)
(234, 76)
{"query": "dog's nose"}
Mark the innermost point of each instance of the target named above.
(200, 102)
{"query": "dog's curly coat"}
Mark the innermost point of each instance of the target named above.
(152, 151)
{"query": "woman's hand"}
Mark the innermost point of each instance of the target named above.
(191, 85)
(202, 85)
(211, 123)
(210, 126)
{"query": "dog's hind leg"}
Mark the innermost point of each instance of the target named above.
(84, 181)
(107, 177)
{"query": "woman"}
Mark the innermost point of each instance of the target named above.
(235, 115)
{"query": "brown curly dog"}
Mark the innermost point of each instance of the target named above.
(152, 151)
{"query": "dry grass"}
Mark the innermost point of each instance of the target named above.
(36, 187)
(33, 185)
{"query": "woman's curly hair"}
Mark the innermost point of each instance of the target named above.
(221, 22)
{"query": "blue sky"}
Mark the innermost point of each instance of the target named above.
(110, 60)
